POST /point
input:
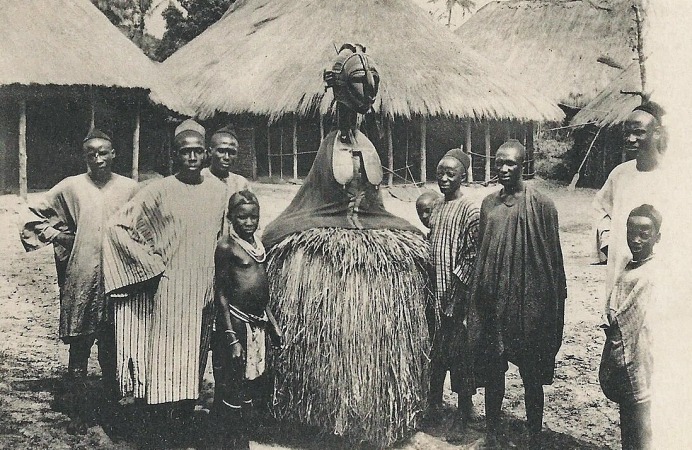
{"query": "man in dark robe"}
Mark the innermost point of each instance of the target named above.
(517, 306)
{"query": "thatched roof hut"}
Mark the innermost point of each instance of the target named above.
(556, 45)
(66, 43)
(64, 68)
(613, 104)
(266, 57)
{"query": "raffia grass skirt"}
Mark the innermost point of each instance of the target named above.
(352, 307)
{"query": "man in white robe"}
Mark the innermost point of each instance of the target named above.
(629, 185)
(160, 263)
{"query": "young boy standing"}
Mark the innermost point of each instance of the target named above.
(626, 363)
(425, 203)
(243, 318)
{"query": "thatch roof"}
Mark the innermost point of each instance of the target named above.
(67, 42)
(554, 45)
(267, 56)
(612, 105)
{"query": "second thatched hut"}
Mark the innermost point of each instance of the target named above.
(262, 64)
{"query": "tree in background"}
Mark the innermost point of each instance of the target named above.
(467, 6)
(180, 29)
(128, 16)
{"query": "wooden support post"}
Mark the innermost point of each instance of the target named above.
(295, 147)
(269, 148)
(253, 136)
(135, 144)
(487, 151)
(281, 152)
(321, 127)
(92, 103)
(467, 145)
(390, 154)
(423, 150)
(23, 184)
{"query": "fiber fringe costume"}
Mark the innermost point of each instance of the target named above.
(348, 283)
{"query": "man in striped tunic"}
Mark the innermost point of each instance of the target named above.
(159, 254)
(453, 243)
(72, 217)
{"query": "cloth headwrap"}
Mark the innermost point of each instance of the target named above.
(650, 212)
(190, 125)
(460, 156)
(228, 129)
(652, 108)
(95, 133)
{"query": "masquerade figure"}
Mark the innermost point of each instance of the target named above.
(347, 280)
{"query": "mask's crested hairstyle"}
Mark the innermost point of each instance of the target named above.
(460, 156)
(652, 108)
(95, 133)
(649, 211)
(514, 144)
(244, 197)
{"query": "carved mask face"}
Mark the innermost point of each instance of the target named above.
(353, 78)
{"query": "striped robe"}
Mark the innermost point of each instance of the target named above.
(160, 251)
(453, 246)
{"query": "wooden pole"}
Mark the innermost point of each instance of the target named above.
(23, 185)
(423, 150)
(641, 55)
(487, 151)
(269, 148)
(92, 102)
(135, 144)
(467, 145)
(321, 127)
(295, 147)
(390, 154)
(281, 152)
(253, 138)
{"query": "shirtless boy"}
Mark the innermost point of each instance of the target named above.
(243, 318)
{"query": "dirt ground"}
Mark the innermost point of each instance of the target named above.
(33, 360)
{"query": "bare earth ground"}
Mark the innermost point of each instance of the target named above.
(32, 359)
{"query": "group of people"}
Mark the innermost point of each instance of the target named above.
(374, 314)
(499, 291)
(499, 284)
(140, 272)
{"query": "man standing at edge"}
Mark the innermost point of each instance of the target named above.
(629, 185)
(517, 307)
(453, 245)
(72, 216)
